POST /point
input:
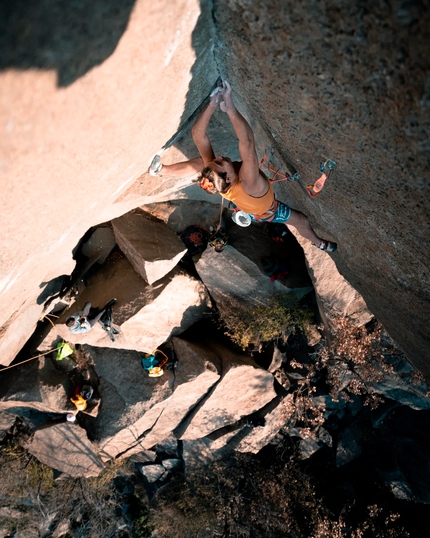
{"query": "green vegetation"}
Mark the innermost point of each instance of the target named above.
(273, 321)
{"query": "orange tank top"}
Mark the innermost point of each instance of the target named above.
(247, 203)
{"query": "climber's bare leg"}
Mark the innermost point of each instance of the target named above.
(183, 169)
(302, 225)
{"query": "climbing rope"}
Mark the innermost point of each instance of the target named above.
(221, 209)
(270, 168)
(32, 359)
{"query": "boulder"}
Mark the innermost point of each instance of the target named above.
(403, 384)
(144, 456)
(145, 315)
(151, 246)
(7, 420)
(66, 447)
(243, 389)
(197, 371)
(307, 444)
(277, 359)
(349, 445)
(181, 304)
(336, 295)
(198, 453)
(398, 485)
(130, 400)
(259, 436)
(152, 472)
(100, 244)
(37, 384)
(137, 411)
(231, 274)
(172, 464)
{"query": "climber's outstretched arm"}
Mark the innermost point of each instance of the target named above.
(200, 127)
(249, 172)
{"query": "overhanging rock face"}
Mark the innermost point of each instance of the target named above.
(348, 84)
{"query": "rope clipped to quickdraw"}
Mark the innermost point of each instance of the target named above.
(218, 237)
(221, 209)
(326, 168)
(270, 168)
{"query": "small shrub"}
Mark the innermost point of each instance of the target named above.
(257, 325)
(354, 360)
(264, 496)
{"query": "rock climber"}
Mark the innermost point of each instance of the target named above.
(240, 182)
(82, 322)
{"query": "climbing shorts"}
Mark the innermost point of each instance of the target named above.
(279, 212)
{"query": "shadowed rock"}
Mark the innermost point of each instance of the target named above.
(231, 274)
(36, 384)
(152, 248)
(242, 390)
(65, 447)
(197, 371)
(131, 401)
(337, 297)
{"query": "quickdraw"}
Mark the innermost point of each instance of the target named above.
(326, 168)
(270, 168)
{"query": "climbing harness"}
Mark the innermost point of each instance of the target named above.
(270, 168)
(326, 168)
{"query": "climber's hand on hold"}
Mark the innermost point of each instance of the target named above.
(227, 104)
(215, 97)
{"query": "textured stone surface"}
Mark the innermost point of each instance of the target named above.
(37, 382)
(197, 371)
(351, 84)
(146, 316)
(182, 302)
(7, 420)
(152, 472)
(234, 275)
(131, 401)
(152, 248)
(259, 436)
(65, 447)
(73, 144)
(241, 391)
(336, 296)
(99, 245)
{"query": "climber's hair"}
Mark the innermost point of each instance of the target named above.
(70, 321)
(213, 182)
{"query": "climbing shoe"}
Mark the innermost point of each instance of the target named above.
(155, 166)
(328, 246)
